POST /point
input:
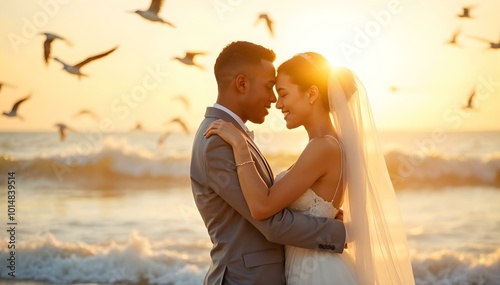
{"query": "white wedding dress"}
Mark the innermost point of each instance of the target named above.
(315, 267)
(378, 251)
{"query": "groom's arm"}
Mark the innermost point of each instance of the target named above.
(285, 227)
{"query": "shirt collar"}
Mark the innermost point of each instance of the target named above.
(232, 114)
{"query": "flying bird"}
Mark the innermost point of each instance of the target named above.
(75, 69)
(13, 112)
(453, 40)
(151, 14)
(47, 44)
(393, 89)
(188, 59)
(184, 101)
(493, 45)
(162, 138)
(269, 22)
(86, 112)
(137, 127)
(470, 100)
(2, 84)
(181, 123)
(466, 12)
(63, 129)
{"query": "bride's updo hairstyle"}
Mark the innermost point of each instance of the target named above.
(309, 69)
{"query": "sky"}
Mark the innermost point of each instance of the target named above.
(415, 81)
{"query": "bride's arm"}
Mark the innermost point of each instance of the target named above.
(263, 201)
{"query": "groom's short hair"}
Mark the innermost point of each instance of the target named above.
(237, 56)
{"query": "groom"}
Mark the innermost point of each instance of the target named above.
(246, 251)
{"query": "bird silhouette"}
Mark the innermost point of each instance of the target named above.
(63, 129)
(493, 45)
(453, 40)
(181, 123)
(138, 127)
(86, 112)
(269, 22)
(184, 101)
(466, 12)
(47, 45)
(163, 138)
(3, 84)
(188, 59)
(75, 69)
(470, 101)
(394, 89)
(151, 14)
(13, 111)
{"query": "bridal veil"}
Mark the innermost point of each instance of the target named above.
(377, 239)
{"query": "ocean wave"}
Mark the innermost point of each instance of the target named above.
(449, 267)
(440, 170)
(140, 261)
(136, 261)
(118, 163)
(114, 163)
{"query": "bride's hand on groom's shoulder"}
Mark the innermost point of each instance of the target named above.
(227, 131)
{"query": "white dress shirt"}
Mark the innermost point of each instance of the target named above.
(236, 118)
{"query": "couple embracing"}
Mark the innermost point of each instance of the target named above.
(290, 229)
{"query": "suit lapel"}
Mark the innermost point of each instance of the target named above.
(268, 168)
(219, 114)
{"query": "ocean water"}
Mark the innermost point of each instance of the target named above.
(117, 208)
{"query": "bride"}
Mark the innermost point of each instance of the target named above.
(342, 166)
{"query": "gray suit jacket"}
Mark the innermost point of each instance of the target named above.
(246, 251)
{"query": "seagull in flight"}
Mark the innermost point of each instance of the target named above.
(137, 127)
(86, 112)
(46, 45)
(162, 138)
(269, 22)
(470, 101)
(394, 89)
(493, 45)
(63, 129)
(181, 123)
(13, 112)
(184, 101)
(75, 69)
(2, 84)
(453, 40)
(151, 14)
(188, 59)
(466, 12)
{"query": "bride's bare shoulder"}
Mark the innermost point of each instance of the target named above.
(324, 148)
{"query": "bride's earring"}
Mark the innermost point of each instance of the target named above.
(313, 94)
